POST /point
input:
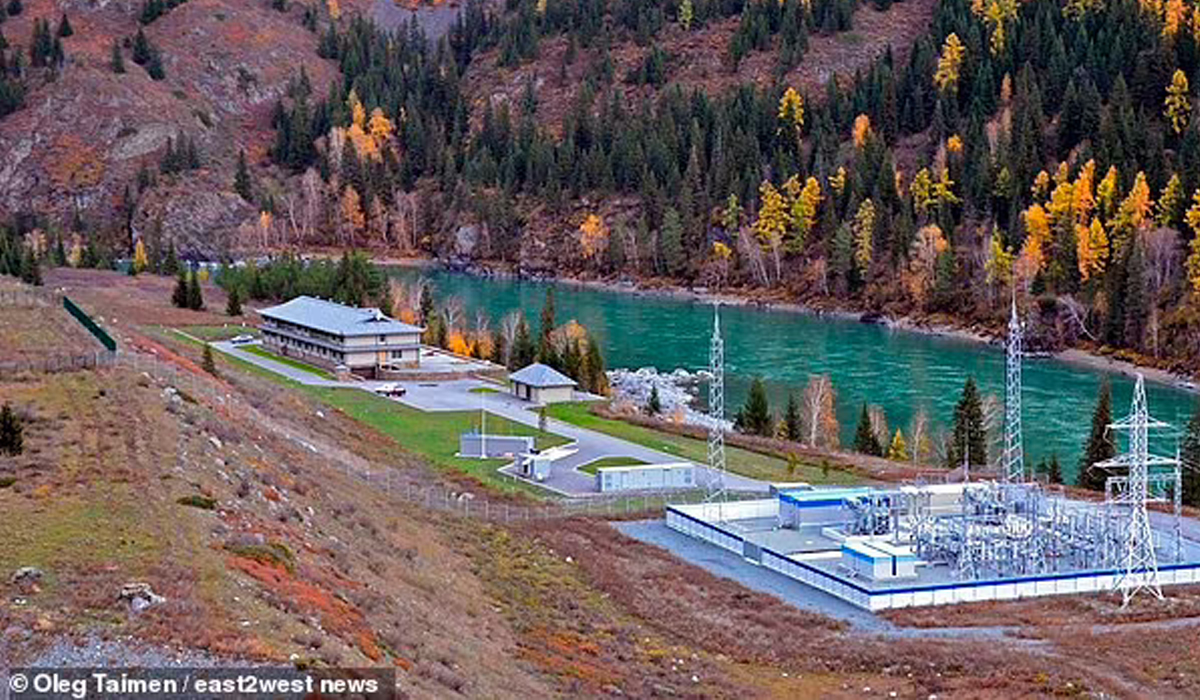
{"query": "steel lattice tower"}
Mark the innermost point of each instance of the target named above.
(1014, 452)
(1139, 562)
(716, 410)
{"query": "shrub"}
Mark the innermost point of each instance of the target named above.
(201, 502)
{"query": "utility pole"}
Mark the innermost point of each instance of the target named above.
(1014, 452)
(716, 411)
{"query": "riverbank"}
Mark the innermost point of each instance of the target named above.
(940, 326)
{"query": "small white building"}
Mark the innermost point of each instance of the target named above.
(329, 334)
(643, 477)
(542, 384)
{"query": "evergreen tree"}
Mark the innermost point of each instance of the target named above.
(597, 380)
(154, 66)
(1054, 472)
(1099, 445)
(425, 306)
(654, 404)
(179, 297)
(64, 27)
(791, 418)
(141, 48)
(208, 364)
(12, 441)
(15, 7)
(545, 344)
(1189, 453)
(60, 252)
(498, 348)
(233, 306)
(756, 413)
(195, 297)
(170, 265)
(117, 61)
(245, 187)
(969, 440)
(524, 352)
(864, 437)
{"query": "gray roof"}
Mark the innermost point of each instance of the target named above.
(335, 318)
(541, 376)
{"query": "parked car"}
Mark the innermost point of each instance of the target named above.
(241, 339)
(390, 390)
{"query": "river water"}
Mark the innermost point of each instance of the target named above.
(899, 370)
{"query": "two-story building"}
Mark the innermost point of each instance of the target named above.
(329, 334)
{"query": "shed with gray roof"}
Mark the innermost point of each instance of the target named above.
(541, 383)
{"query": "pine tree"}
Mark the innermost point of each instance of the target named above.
(117, 61)
(864, 437)
(64, 27)
(170, 265)
(1099, 445)
(546, 351)
(154, 66)
(1054, 473)
(524, 352)
(195, 297)
(653, 404)
(233, 306)
(141, 48)
(208, 364)
(969, 440)
(756, 413)
(12, 441)
(245, 187)
(791, 419)
(594, 361)
(179, 297)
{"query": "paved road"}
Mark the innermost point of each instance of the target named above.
(456, 395)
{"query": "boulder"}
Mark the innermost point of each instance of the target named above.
(26, 579)
(139, 596)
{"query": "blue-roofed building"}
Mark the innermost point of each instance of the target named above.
(329, 334)
(542, 384)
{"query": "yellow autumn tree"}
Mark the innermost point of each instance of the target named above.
(922, 191)
(949, 64)
(1133, 211)
(861, 130)
(141, 261)
(1192, 217)
(954, 144)
(791, 112)
(772, 221)
(997, 14)
(593, 235)
(837, 181)
(1176, 106)
(864, 236)
(1037, 236)
(380, 127)
(1174, 16)
(1084, 200)
(998, 267)
(335, 10)
(1106, 193)
(803, 203)
(1091, 249)
(1169, 202)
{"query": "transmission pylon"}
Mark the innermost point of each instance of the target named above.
(1139, 562)
(716, 411)
(1014, 452)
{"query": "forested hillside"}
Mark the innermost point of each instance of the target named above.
(909, 158)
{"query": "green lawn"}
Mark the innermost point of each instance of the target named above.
(434, 435)
(226, 332)
(311, 369)
(592, 467)
(738, 460)
(484, 390)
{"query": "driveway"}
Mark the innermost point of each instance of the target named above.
(456, 395)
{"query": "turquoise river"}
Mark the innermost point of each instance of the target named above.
(899, 370)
